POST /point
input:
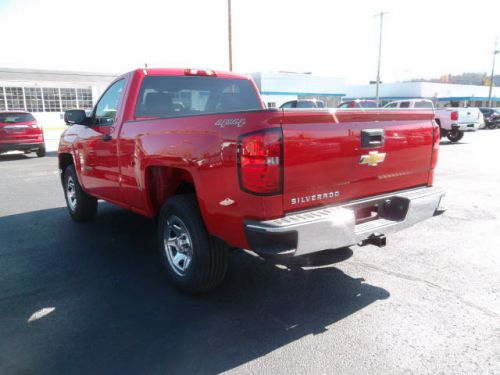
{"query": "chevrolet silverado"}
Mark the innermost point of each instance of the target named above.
(197, 151)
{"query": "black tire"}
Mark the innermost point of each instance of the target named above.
(81, 206)
(41, 152)
(491, 125)
(454, 135)
(206, 257)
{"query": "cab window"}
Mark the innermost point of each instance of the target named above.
(107, 107)
(174, 96)
(404, 105)
(423, 104)
(291, 104)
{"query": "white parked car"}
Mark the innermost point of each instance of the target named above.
(453, 122)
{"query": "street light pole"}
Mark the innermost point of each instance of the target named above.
(495, 51)
(377, 96)
(229, 34)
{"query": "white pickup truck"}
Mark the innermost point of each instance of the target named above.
(453, 122)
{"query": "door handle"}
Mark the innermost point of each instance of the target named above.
(371, 138)
(106, 137)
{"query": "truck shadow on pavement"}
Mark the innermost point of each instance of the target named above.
(449, 143)
(22, 156)
(109, 308)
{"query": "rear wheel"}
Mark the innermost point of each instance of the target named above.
(41, 152)
(455, 135)
(81, 206)
(491, 125)
(194, 261)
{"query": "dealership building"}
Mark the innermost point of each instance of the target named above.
(47, 93)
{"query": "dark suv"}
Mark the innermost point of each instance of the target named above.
(491, 117)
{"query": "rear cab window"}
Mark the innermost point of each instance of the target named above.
(368, 104)
(16, 117)
(291, 104)
(423, 104)
(306, 104)
(174, 96)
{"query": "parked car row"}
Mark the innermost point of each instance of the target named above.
(453, 122)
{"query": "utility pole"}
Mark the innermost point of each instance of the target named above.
(229, 34)
(377, 96)
(495, 51)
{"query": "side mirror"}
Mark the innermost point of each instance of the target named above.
(74, 116)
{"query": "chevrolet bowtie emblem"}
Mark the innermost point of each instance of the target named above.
(372, 159)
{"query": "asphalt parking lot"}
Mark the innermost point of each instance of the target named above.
(92, 298)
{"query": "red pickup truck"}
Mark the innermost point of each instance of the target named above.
(197, 151)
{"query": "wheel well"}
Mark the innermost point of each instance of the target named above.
(165, 182)
(64, 161)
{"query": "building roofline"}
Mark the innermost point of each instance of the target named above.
(56, 72)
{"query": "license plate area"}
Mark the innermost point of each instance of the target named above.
(366, 214)
(393, 208)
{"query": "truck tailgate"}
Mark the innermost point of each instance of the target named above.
(325, 161)
(468, 115)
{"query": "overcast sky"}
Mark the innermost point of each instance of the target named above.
(335, 38)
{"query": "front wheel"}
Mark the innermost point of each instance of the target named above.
(491, 125)
(455, 135)
(81, 206)
(194, 261)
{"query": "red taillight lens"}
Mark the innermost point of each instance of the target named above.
(435, 144)
(454, 116)
(260, 162)
(435, 150)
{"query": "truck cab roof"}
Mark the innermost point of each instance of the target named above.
(188, 72)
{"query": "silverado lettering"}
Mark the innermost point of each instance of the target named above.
(316, 197)
(266, 176)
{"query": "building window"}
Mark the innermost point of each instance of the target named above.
(68, 99)
(34, 100)
(84, 98)
(2, 100)
(51, 100)
(15, 98)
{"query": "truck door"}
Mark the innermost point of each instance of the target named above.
(97, 146)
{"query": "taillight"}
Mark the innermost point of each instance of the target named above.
(454, 116)
(260, 162)
(435, 150)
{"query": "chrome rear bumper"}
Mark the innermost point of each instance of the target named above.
(336, 227)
